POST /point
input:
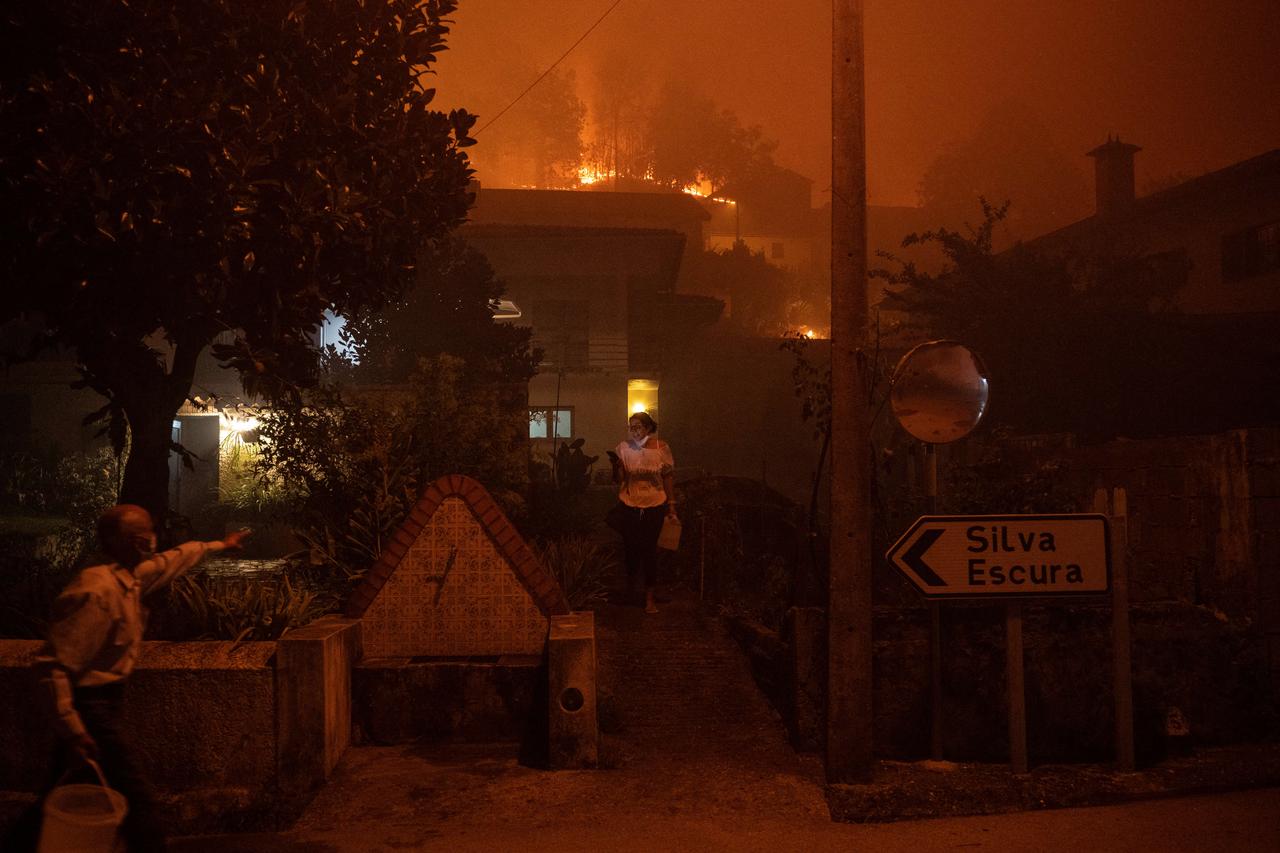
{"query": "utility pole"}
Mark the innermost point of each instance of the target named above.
(849, 755)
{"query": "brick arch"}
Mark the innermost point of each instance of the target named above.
(528, 569)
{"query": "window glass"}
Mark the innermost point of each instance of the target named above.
(550, 423)
(1251, 252)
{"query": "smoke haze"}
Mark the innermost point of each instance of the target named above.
(1193, 82)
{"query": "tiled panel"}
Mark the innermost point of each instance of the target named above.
(452, 594)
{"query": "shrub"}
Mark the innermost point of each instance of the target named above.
(197, 606)
(76, 486)
(581, 567)
(359, 459)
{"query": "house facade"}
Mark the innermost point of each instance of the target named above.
(595, 275)
(1222, 230)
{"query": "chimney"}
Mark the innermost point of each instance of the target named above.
(1113, 176)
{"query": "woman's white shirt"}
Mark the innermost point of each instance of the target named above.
(645, 466)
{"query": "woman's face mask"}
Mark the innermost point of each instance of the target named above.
(637, 433)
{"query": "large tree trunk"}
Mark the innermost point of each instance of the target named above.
(146, 474)
(150, 405)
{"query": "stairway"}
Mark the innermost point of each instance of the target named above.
(680, 706)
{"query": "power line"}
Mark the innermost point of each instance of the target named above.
(549, 69)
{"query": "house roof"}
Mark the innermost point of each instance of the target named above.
(1252, 173)
(529, 570)
(509, 229)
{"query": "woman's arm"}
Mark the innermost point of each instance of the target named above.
(668, 477)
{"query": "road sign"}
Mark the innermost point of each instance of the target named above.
(1002, 556)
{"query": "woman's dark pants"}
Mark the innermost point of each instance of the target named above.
(640, 529)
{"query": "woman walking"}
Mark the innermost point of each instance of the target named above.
(642, 467)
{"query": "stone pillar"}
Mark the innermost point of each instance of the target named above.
(571, 696)
(805, 630)
(313, 700)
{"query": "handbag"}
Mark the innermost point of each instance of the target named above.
(669, 536)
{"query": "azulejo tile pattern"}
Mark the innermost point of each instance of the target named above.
(453, 593)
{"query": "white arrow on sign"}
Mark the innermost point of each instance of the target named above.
(978, 556)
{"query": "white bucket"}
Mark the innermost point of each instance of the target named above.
(82, 818)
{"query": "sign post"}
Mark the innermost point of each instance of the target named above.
(939, 395)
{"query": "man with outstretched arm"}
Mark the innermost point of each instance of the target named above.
(95, 636)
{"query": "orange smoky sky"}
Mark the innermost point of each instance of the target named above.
(1194, 82)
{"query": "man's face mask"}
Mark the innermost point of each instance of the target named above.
(145, 546)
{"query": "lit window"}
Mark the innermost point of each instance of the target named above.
(642, 396)
(550, 423)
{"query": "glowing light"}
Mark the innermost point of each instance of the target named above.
(642, 396)
(231, 422)
(588, 175)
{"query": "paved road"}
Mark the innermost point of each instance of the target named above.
(1242, 822)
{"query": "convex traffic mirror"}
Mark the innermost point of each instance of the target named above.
(940, 391)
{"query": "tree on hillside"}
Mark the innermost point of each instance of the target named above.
(1069, 338)
(175, 170)
(692, 140)
(547, 130)
(1011, 155)
(620, 146)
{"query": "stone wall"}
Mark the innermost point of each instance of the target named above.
(1204, 514)
(1204, 565)
(1204, 520)
(229, 737)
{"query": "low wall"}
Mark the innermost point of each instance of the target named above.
(225, 733)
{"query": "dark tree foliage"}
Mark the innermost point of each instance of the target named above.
(357, 459)
(175, 170)
(691, 140)
(760, 297)
(449, 311)
(1073, 341)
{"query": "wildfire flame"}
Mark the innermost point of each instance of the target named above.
(587, 175)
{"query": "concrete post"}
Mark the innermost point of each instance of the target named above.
(573, 730)
(313, 700)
